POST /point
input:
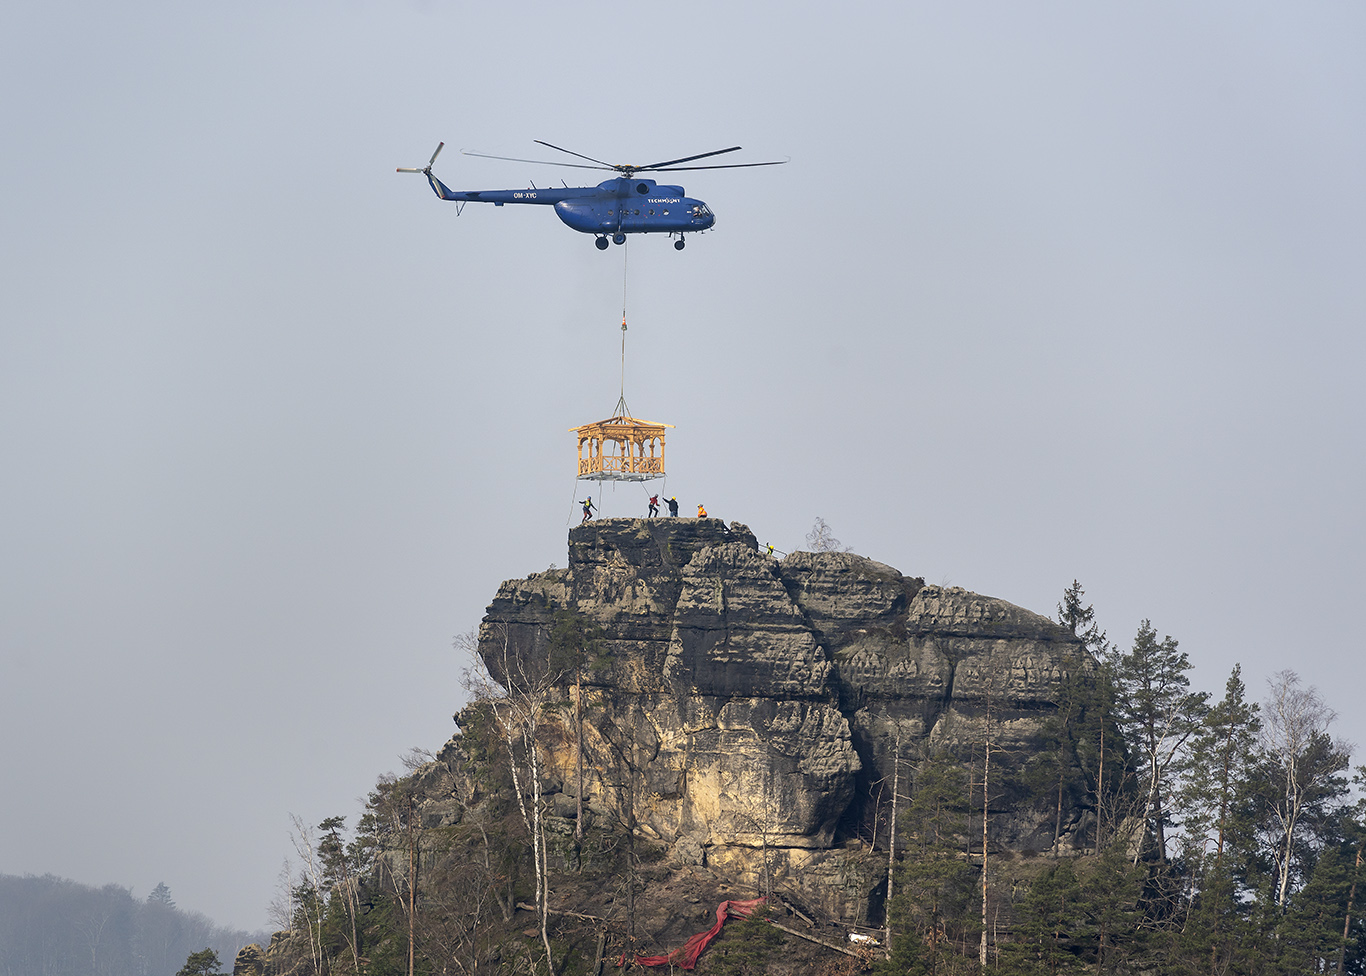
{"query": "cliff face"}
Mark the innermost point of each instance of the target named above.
(756, 705)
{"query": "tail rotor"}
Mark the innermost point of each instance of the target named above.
(425, 170)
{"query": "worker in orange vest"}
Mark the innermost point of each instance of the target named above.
(701, 512)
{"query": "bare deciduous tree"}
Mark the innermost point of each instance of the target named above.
(822, 539)
(308, 898)
(1302, 762)
(527, 689)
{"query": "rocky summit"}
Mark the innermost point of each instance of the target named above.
(758, 706)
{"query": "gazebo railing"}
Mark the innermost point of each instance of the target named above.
(617, 465)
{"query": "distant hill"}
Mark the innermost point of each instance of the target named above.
(59, 927)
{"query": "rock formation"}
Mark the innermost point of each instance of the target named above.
(754, 706)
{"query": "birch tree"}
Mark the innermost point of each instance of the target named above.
(1301, 767)
(528, 690)
(308, 899)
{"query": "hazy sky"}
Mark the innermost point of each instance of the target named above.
(1048, 291)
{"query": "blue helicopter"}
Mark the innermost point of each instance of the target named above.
(625, 204)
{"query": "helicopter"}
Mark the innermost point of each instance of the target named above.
(625, 204)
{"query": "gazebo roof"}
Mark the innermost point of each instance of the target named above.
(620, 422)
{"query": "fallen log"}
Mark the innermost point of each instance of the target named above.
(811, 938)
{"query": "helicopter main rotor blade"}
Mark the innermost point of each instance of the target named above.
(571, 152)
(688, 159)
(676, 169)
(539, 162)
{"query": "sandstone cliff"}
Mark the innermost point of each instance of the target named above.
(755, 705)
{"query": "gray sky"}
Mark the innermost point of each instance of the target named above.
(1048, 291)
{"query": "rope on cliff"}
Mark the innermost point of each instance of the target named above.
(574, 502)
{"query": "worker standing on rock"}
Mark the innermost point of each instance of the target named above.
(587, 509)
(673, 507)
(654, 505)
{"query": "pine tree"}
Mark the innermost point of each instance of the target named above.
(1102, 753)
(936, 885)
(1110, 895)
(161, 895)
(339, 872)
(1159, 714)
(1058, 770)
(1084, 726)
(202, 963)
(1216, 932)
(576, 645)
(1050, 925)
(1081, 620)
(1217, 776)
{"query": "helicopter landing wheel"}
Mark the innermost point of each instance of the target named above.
(678, 244)
(601, 243)
(618, 238)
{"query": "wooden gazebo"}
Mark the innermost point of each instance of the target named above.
(621, 448)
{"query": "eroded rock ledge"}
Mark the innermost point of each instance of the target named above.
(760, 700)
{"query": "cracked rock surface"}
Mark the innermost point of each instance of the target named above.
(758, 702)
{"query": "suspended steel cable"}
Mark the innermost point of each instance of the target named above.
(622, 410)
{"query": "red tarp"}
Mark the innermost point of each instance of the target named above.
(686, 957)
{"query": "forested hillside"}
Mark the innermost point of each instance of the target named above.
(53, 927)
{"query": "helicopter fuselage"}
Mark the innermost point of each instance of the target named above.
(622, 205)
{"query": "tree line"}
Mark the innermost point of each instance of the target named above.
(50, 926)
(1222, 835)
